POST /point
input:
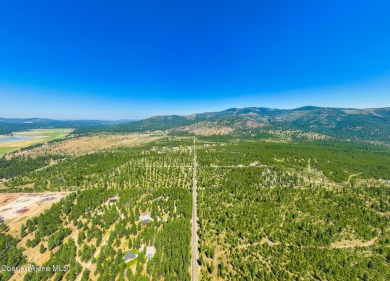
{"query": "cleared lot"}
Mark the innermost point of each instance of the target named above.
(16, 208)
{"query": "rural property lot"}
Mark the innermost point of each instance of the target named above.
(16, 208)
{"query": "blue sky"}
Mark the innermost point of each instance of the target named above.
(135, 59)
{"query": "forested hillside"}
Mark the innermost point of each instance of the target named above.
(338, 123)
(85, 229)
(266, 211)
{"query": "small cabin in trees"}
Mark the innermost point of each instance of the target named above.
(145, 218)
(130, 256)
(150, 251)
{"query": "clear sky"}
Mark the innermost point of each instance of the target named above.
(134, 59)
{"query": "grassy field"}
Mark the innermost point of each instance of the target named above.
(39, 136)
(87, 144)
(4, 150)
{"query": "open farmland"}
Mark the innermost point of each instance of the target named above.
(30, 138)
(87, 144)
(4, 150)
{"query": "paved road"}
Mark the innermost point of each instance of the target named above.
(194, 222)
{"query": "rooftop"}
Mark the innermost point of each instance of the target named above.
(130, 256)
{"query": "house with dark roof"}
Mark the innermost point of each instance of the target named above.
(112, 201)
(130, 256)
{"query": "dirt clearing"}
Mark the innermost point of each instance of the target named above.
(17, 208)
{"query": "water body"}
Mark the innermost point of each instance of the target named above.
(15, 138)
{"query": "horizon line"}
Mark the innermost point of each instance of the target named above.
(130, 119)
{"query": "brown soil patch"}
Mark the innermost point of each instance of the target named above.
(352, 243)
(207, 130)
(12, 205)
(88, 144)
(5, 198)
(263, 241)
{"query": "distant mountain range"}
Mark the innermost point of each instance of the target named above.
(372, 124)
(9, 125)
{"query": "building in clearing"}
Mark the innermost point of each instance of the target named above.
(130, 256)
(150, 251)
(112, 201)
(145, 216)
